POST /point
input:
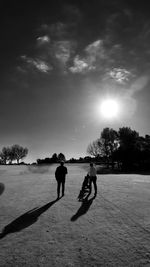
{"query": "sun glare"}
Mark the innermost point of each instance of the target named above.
(109, 108)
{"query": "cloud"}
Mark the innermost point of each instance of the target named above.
(128, 99)
(120, 75)
(79, 66)
(37, 64)
(55, 45)
(100, 58)
(94, 53)
(58, 46)
(53, 49)
(95, 49)
(43, 40)
(62, 51)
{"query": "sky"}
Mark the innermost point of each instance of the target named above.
(59, 60)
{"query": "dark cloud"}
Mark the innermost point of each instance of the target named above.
(83, 37)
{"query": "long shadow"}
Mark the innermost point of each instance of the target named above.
(25, 220)
(83, 209)
(2, 188)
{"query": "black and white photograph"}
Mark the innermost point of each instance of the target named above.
(75, 133)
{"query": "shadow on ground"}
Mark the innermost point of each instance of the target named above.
(26, 219)
(2, 188)
(83, 209)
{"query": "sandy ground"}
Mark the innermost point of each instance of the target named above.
(111, 230)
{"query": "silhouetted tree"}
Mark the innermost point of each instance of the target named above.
(54, 158)
(5, 154)
(61, 157)
(94, 148)
(128, 147)
(87, 159)
(147, 144)
(11, 155)
(72, 160)
(105, 145)
(142, 154)
(108, 143)
(39, 161)
(47, 160)
(19, 152)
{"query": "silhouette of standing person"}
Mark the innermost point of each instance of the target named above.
(92, 178)
(60, 175)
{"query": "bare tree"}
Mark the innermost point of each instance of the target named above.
(19, 152)
(5, 154)
(94, 148)
(105, 145)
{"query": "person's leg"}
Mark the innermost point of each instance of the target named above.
(58, 189)
(90, 186)
(95, 185)
(63, 187)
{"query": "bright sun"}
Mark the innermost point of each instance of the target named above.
(109, 108)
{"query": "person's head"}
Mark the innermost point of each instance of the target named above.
(91, 164)
(62, 163)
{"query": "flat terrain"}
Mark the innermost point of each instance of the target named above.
(36, 230)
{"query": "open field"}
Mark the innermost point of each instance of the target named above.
(111, 230)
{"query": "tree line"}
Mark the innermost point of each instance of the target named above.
(54, 159)
(12, 153)
(124, 148)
